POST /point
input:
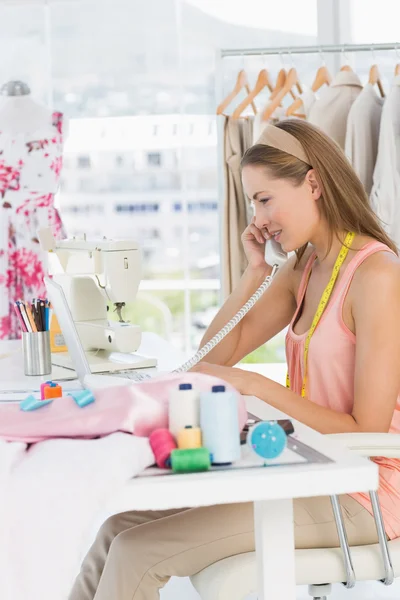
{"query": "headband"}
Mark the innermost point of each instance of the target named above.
(282, 140)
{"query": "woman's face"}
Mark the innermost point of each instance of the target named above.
(289, 213)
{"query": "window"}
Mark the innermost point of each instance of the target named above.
(142, 143)
(382, 28)
(154, 159)
(83, 162)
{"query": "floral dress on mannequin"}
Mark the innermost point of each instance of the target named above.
(30, 167)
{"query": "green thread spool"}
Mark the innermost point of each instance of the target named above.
(190, 460)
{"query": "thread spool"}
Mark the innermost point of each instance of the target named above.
(52, 390)
(267, 439)
(219, 423)
(162, 443)
(189, 437)
(191, 460)
(183, 408)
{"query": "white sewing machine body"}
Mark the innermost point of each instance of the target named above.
(94, 274)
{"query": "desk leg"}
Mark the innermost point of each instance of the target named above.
(274, 540)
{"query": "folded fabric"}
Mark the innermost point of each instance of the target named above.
(137, 409)
(58, 494)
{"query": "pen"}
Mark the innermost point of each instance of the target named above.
(19, 317)
(43, 315)
(24, 315)
(31, 318)
(47, 315)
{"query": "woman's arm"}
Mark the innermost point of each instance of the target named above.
(376, 313)
(322, 419)
(268, 317)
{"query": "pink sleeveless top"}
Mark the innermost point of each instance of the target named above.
(330, 376)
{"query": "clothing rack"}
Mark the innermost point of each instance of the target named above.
(226, 52)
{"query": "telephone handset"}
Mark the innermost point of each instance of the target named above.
(274, 254)
(276, 257)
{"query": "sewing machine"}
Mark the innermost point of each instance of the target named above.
(94, 275)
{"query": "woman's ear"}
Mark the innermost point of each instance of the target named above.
(312, 181)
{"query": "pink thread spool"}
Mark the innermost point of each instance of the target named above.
(162, 443)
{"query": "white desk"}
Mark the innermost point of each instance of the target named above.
(271, 489)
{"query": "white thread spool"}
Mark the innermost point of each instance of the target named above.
(184, 408)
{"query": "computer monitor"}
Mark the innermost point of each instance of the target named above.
(60, 306)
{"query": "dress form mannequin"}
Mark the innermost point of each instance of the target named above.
(31, 149)
(19, 113)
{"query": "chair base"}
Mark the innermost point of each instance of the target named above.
(320, 592)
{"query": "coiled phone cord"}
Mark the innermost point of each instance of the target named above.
(229, 326)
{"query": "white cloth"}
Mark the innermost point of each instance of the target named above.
(385, 194)
(308, 99)
(362, 134)
(10, 454)
(331, 110)
(57, 497)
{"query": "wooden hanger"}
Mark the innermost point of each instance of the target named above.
(241, 83)
(375, 79)
(263, 81)
(280, 82)
(346, 68)
(292, 80)
(322, 77)
(397, 70)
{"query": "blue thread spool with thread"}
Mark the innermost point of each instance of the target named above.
(219, 422)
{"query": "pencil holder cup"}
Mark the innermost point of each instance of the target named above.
(37, 355)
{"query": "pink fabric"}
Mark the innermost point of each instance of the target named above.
(330, 376)
(136, 409)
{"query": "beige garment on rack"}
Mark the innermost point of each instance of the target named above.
(362, 134)
(238, 136)
(385, 194)
(331, 110)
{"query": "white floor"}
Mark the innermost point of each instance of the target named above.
(181, 589)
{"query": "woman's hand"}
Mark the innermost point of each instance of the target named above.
(253, 240)
(238, 378)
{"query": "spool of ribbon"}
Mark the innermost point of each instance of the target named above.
(162, 443)
(191, 460)
(189, 437)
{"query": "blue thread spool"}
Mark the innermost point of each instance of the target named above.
(267, 439)
(219, 422)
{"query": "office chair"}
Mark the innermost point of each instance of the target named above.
(235, 577)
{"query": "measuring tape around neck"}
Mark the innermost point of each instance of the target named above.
(322, 304)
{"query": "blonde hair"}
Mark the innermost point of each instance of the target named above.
(343, 203)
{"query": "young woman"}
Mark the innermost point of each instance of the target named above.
(344, 374)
